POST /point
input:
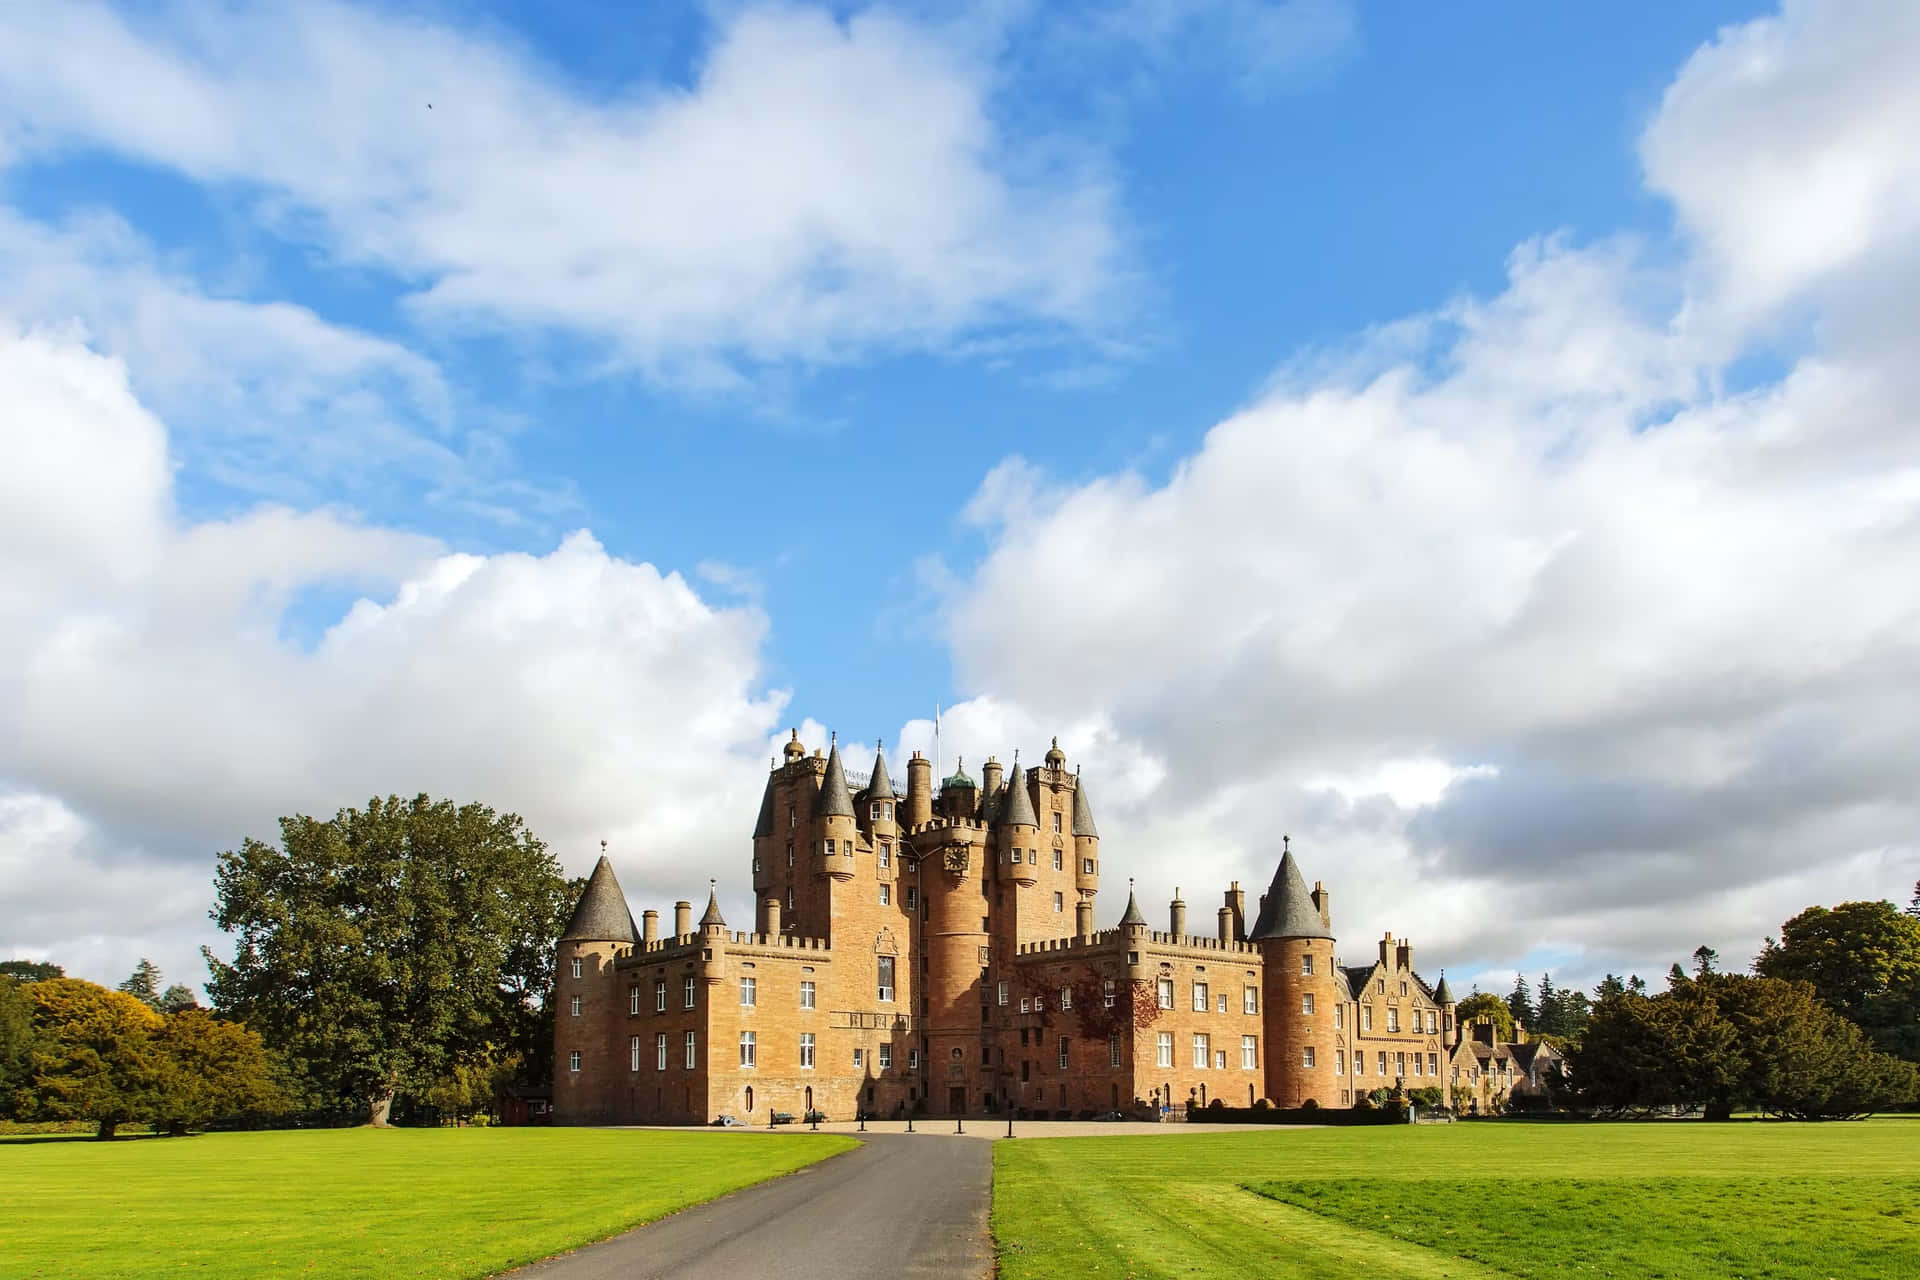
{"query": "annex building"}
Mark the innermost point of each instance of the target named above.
(935, 952)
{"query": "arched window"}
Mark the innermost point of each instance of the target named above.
(749, 1099)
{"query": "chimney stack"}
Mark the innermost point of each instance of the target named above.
(682, 919)
(919, 791)
(771, 909)
(1083, 918)
(1177, 915)
(649, 927)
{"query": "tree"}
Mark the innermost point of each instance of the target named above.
(93, 1054)
(1610, 985)
(16, 1044)
(1637, 985)
(1863, 961)
(1520, 1002)
(1913, 903)
(1705, 960)
(30, 970)
(205, 1069)
(178, 999)
(1484, 1004)
(143, 984)
(383, 948)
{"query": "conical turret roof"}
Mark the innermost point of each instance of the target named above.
(601, 915)
(764, 826)
(1018, 811)
(713, 915)
(835, 800)
(1443, 994)
(1082, 811)
(1289, 911)
(1133, 916)
(880, 786)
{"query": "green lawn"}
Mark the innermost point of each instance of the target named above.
(359, 1202)
(1781, 1201)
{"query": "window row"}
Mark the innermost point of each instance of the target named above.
(1431, 1063)
(1393, 1019)
(1249, 998)
(1205, 1056)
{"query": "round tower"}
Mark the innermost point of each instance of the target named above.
(835, 826)
(1086, 842)
(956, 945)
(1298, 990)
(587, 1077)
(1019, 854)
(919, 791)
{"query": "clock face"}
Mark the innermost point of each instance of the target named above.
(956, 857)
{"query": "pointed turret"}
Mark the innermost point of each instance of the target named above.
(713, 916)
(1288, 910)
(1133, 918)
(1443, 994)
(1082, 811)
(1018, 809)
(835, 800)
(764, 826)
(601, 915)
(879, 787)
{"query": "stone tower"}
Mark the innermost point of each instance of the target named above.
(1296, 949)
(600, 932)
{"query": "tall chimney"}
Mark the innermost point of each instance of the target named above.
(1083, 918)
(1226, 925)
(1320, 900)
(919, 791)
(990, 775)
(1237, 901)
(771, 910)
(649, 927)
(1177, 915)
(682, 919)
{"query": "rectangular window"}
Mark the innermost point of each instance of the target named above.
(1433, 1064)
(1066, 998)
(749, 992)
(913, 898)
(1306, 1002)
(1056, 831)
(1393, 1019)
(1200, 1052)
(1400, 1064)
(748, 1049)
(859, 1059)
(806, 995)
(660, 1052)
(789, 854)
(1366, 1017)
(1383, 1062)
(1163, 1049)
(1000, 992)
(1057, 864)
(1359, 1063)
(1220, 1004)
(1306, 964)
(660, 996)
(1023, 1004)
(1086, 866)
(692, 1061)
(1219, 1059)
(1166, 993)
(1063, 1052)
(633, 1053)
(633, 999)
(1403, 988)
(1250, 1000)
(885, 967)
(829, 847)
(576, 966)
(873, 812)
(1432, 1024)
(886, 894)
(1106, 993)
(1416, 1064)
(1249, 1053)
(886, 1057)
(573, 1060)
(573, 1006)
(1199, 997)
(1113, 1051)
(1033, 857)
(1059, 902)
(1339, 1062)
(806, 1049)
(1306, 1056)
(1339, 1017)
(686, 990)
(913, 1059)
(886, 854)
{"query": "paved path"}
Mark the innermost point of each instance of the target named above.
(899, 1205)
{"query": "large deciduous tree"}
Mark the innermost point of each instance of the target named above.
(205, 1069)
(1863, 959)
(383, 948)
(1484, 1004)
(16, 1045)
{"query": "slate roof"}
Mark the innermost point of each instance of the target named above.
(1133, 915)
(880, 786)
(713, 915)
(1357, 976)
(764, 825)
(1019, 807)
(835, 800)
(1082, 811)
(1289, 911)
(602, 914)
(1443, 994)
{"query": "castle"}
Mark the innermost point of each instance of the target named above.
(935, 953)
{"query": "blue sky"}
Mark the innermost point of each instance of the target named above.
(888, 330)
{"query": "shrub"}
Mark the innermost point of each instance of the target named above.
(1311, 1104)
(1261, 1104)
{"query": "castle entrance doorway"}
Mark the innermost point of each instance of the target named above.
(957, 1099)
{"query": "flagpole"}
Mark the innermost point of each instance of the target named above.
(938, 766)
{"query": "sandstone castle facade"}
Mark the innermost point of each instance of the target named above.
(936, 953)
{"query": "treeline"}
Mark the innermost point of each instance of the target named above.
(74, 1050)
(395, 959)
